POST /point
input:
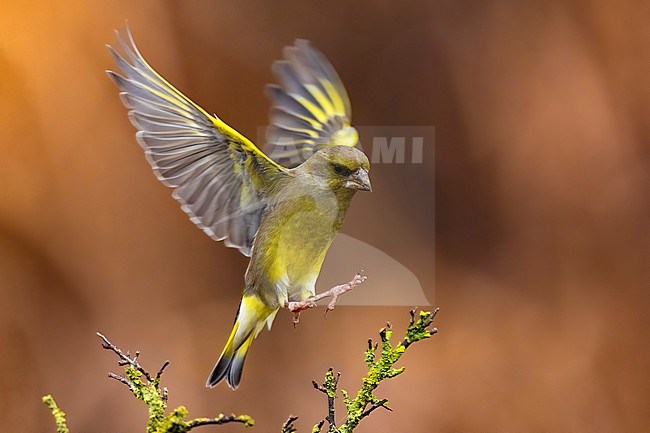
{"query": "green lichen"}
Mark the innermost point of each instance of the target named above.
(330, 383)
(380, 359)
(58, 414)
(146, 388)
(379, 369)
(151, 395)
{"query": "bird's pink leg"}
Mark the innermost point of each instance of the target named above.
(334, 293)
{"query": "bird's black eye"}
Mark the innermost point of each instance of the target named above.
(341, 170)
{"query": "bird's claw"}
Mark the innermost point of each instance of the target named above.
(297, 307)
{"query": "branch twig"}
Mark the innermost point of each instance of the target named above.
(221, 419)
(374, 406)
(149, 391)
(379, 368)
(124, 358)
(329, 388)
(288, 426)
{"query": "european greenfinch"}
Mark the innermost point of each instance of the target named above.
(281, 210)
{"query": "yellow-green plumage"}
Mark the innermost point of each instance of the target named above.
(299, 227)
(282, 210)
(304, 215)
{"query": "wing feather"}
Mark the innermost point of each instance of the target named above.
(310, 107)
(221, 179)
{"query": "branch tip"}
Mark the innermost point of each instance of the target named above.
(288, 426)
(162, 369)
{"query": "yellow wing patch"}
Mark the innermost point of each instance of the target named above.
(310, 110)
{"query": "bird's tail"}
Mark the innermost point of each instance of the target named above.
(252, 315)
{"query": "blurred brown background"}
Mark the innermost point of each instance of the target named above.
(540, 111)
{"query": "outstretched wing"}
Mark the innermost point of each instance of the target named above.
(220, 178)
(310, 110)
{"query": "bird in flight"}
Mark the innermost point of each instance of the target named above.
(282, 209)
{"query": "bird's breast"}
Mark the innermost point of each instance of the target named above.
(292, 242)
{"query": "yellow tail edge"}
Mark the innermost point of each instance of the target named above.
(252, 315)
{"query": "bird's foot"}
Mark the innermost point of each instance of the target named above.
(297, 307)
(334, 293)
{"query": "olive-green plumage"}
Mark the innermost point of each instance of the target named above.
(282, 210)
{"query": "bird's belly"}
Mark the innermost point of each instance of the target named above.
(297, 256)
(290, 247)
(303, 257)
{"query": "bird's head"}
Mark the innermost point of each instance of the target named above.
(340, 167)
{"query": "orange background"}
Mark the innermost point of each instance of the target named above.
(541, 213)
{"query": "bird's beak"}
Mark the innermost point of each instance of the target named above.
(359, 180)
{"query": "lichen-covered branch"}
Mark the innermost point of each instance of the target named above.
(58, 414)
(146, 388)
(288, 426)
(380, 357)
(379, 369)
(329, 389)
